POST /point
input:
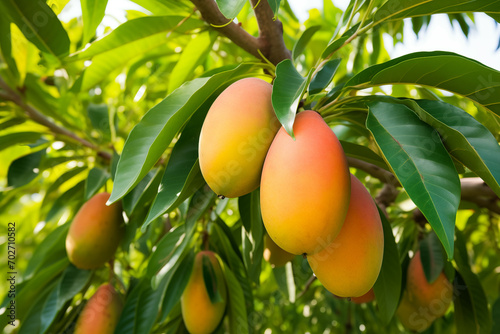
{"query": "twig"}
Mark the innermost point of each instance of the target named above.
(307, 286)
(38, 117)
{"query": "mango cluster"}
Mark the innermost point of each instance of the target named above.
(310, 203)
(95, 233)
(423, 301)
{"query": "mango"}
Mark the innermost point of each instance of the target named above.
(235, 136)
(413, 317)
(435, 297)
(200, 315)
(101, 313)
(275, 255)
(350, 265)
(366, 298)
(95, 233)
(305, 186)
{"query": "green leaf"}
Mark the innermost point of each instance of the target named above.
(236, 308)
(127, 320)
(468, 283)
(210, 280)
(495, 311)
(363, 153)
(301, 44)
(275, 6)
(17, 138)
(72, 281)
(177, 284)
(421, 164)
(230, 8)
(25, 169)
(63, 202)
(6, 45)
(436, 69)
(96, 180)
(396, 9)
(150, 138)
(182, 176)
(92, 15)
(144, 192)
(431, 255)
(466, 139)
(249, 208)
(336, 44)
(195, 52)
(324, 76)
(465, 317)
(287, 91)
(387, 288)
(39, 25)
(51, 249)
(149, 306)
(99, 117)
(165, 249)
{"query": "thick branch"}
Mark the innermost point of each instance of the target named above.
(474, 189)
(270, 33)
(211, 14)
(38, 117)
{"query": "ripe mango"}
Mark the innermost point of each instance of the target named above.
(350, 265)
(305, 186)
(275, 255)
(413, 317)
(235, 137)
(200, 315)
(366, 298)
(95, 233)
(436, 297)
(101, 314)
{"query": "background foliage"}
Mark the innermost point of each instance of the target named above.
(81, 113)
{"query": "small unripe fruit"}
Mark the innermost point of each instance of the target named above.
(350, 265)
(275, 255)
(101, 314)
(235, 137)
(200, 315)
(436, 296)
(305, 186)
(95, 233)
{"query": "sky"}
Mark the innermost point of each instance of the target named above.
(440, 35)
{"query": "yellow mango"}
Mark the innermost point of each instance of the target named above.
(101, 313)
(305, 186)
(350, 265)
(200, 315)
(95, 233)
(436, 297)
(235, 137)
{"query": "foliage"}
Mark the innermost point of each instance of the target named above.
(82, 112)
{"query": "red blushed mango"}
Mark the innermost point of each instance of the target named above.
(305, 186)
(101, 314)
(350, 265)
(200, 315)
(413, 317)
(235, 137)
(366, 298)
(275, 255)
(95, 233)
(436, 297)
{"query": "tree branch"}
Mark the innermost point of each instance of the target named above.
(38, 117)
(307, 286)
(270, 41)
(474, 189)
(212, 15)
(270, 33)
